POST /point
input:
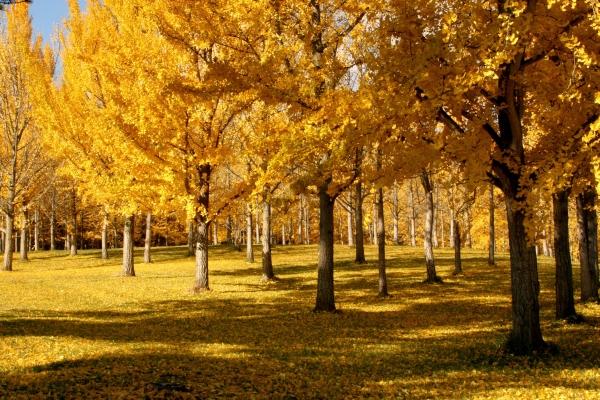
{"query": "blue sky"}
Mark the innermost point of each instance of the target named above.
(46, 15)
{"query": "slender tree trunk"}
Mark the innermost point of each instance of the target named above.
(396, 213)
(73, 242)
(53, 222)
(492, 230)
(360, 235)
(36, 230)
(435, 220)
(452, 228)
(428, 237)
(349, 220)
(300, 219)
(215, 226)
(128, 246)
(306, 222)
(587, 225)
(413, 216)
(105, 236)
(24, 242)
(190, 239)
(229, 229)
(441, 212)
(383, 288)
(148, 239)
(565, 301)
(325, 290)
(545, 249)
(457, 245)
(8, 239)
(249, 248)
(267, 263)
(203, 223)
(374, 223)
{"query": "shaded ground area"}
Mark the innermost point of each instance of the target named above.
(72, 328)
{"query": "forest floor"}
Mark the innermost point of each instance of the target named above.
(71, 327)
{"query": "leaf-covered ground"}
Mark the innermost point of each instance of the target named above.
(73, 328)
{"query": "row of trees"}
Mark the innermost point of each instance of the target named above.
(200, 107)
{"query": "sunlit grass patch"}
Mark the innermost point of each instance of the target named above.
(70, 327)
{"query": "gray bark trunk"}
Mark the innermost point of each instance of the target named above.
(52, 222)
(105, 236)
(587, 226)
(383, 288)
(36, 230)
(128, 247)
(428, 234)
(203, 223)
(396, 214)
(325, 288)
(24, 255)
(8, 240)
(360, 235)
(565, 301)
(267, 263)
(412, 216)
(349, 221)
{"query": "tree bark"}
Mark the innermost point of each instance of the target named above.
(492, 230)
(249, 248)
(325, 290)
(383, 288)
(428, 236)
(8, 240)
(565, 301)
(396, 212)
(350, 220)
(190, 239)
(360, 235)
(105, 236)
(52, 221)
(36, 230)
(587, 226)
(148, 239)
(128, 246)
(457, 245)
(73, 242)
(267, 263)
(412, 216)
(203, 223)
(300, 220)
(24, 256)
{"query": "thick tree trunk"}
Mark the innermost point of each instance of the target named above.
(428, 236)
(587, 225)
(105, 236)
(148, 239)
(526, 335)
(383, 288)
(203, 224)
(412, 216)
(190, 239)
(358, 218)
(457, 245)
(8, 240)
(249, 248)
(492, 230)
(267, 263)
(128, 246)
(325, 290)
(24, 255)
(565, 301)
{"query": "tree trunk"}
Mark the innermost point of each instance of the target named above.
(358, 218)
(300, 220)
(36, 230)
(8, 240)
(128, 246)
(349, 221)
(267, 263)
(565, 301)
(52, 222)
(249, 248)
(435, 220)
(428, 237)
(413, 216)
(442, 228)
(190, 240)
(396, 213)
(457, 245)
(24, 242)
(203, 223)
(545, 247)
(215, 225)
(105, 236)
(228, 230)
(148, 239)
(587, 225)
(374, 223)
(492, 230)
(383, 288)
(73, 242)
(452, 220)
(306, 223)
(325, 290)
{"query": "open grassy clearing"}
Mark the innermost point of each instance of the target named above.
(73, 328)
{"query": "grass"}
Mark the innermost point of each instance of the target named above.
(71, 327)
